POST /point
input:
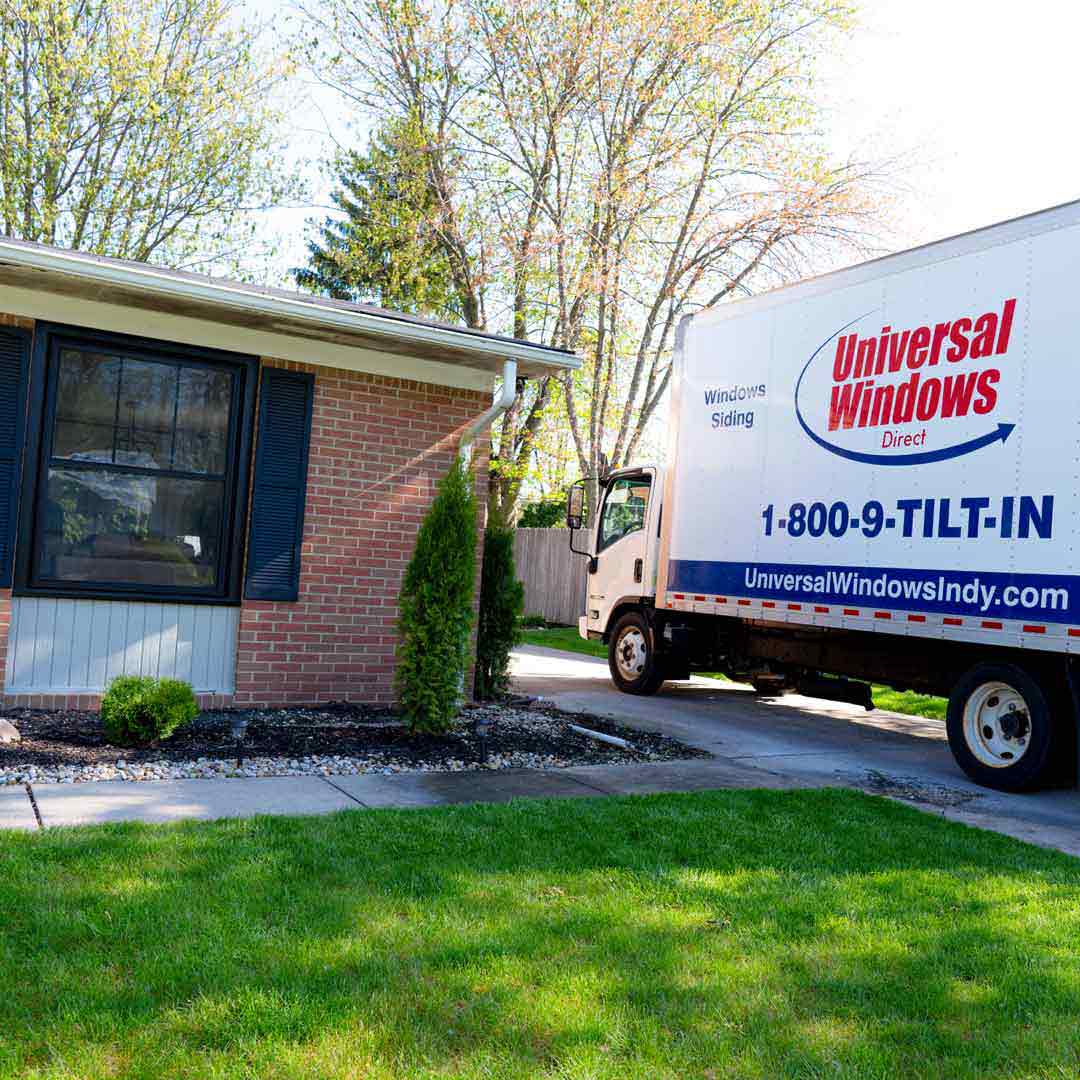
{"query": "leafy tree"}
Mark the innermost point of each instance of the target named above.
(384, 246)
(502, 602)
(543, 514)
(597, 171)
(435, 608)
(135, 128)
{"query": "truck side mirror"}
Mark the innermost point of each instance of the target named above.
(576, 511)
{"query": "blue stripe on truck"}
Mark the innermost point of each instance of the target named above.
(1046, 597)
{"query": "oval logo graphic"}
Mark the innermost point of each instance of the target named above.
(907, 395)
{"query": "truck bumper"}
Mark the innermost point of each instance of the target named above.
(583, 627)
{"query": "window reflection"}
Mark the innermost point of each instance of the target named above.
(134, 493)
(154, 415)
(624, 509)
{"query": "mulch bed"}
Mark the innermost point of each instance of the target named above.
(70, 738)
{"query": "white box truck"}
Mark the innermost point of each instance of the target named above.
(873, 475)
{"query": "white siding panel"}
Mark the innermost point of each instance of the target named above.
(134, 639)
(98, 658)
(81, 621)
(45, 631)
(78, 646)
(223, 648)
(185, 643)
(170, 620)
(115, 641)
(59, 672)
(201, 659)
(148, 660)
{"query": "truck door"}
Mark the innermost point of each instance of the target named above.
(622, 566)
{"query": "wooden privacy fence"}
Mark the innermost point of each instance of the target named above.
(554, 577)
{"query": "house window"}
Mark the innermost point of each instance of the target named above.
(140, 452)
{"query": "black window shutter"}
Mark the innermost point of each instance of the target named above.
(14, 364)
(280, 489)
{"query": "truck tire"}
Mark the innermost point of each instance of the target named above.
(1001, 728)
(635, 668)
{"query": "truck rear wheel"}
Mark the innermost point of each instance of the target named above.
(632, 656)
(1001, 728)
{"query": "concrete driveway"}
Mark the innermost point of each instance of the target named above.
(801, 740)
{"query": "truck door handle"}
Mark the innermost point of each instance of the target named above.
(639, 566)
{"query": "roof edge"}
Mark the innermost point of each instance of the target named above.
(238, 296)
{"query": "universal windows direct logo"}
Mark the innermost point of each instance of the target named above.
(899, 378)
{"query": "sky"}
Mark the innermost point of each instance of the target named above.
(976, 96)
(974, 99)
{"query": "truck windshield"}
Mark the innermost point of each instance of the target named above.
(624, 509)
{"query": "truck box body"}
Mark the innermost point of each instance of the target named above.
(893, 448)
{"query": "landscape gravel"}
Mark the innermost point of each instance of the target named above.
(335, 740)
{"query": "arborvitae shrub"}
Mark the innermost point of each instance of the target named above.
(138, 710)
(502, 600)
(435, 608)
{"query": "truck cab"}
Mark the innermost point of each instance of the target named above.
(622, 544)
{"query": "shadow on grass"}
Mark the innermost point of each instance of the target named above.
(742, 933)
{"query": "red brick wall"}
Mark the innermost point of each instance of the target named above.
(378, 448)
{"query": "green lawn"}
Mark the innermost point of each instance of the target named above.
(907, 701)
(564, 637)
(901, 701)
(723, 934)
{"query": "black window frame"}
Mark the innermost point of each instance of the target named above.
(49, 339)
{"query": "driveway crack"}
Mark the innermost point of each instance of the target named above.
(34, 805)
(347, 794)
(586, 784)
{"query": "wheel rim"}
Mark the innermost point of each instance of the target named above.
(997, 725)
(631, 653)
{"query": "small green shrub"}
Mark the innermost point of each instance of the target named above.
(502, 599)
(533, 622)
(138, 710)
(435, 609)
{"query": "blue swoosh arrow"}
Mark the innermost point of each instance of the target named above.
(922, 457)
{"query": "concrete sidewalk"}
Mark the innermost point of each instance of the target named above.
(789, 742)
(175, 800)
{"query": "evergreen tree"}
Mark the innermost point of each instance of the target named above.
(436, 614)
(502, 602)
(384, 246)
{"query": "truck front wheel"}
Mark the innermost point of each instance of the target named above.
(1001, 728)
(632, 657)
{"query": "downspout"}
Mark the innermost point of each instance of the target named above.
(503, 400)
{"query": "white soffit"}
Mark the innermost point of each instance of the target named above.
(42, 282)
(186, 330)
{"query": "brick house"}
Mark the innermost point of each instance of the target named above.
(218, 482)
